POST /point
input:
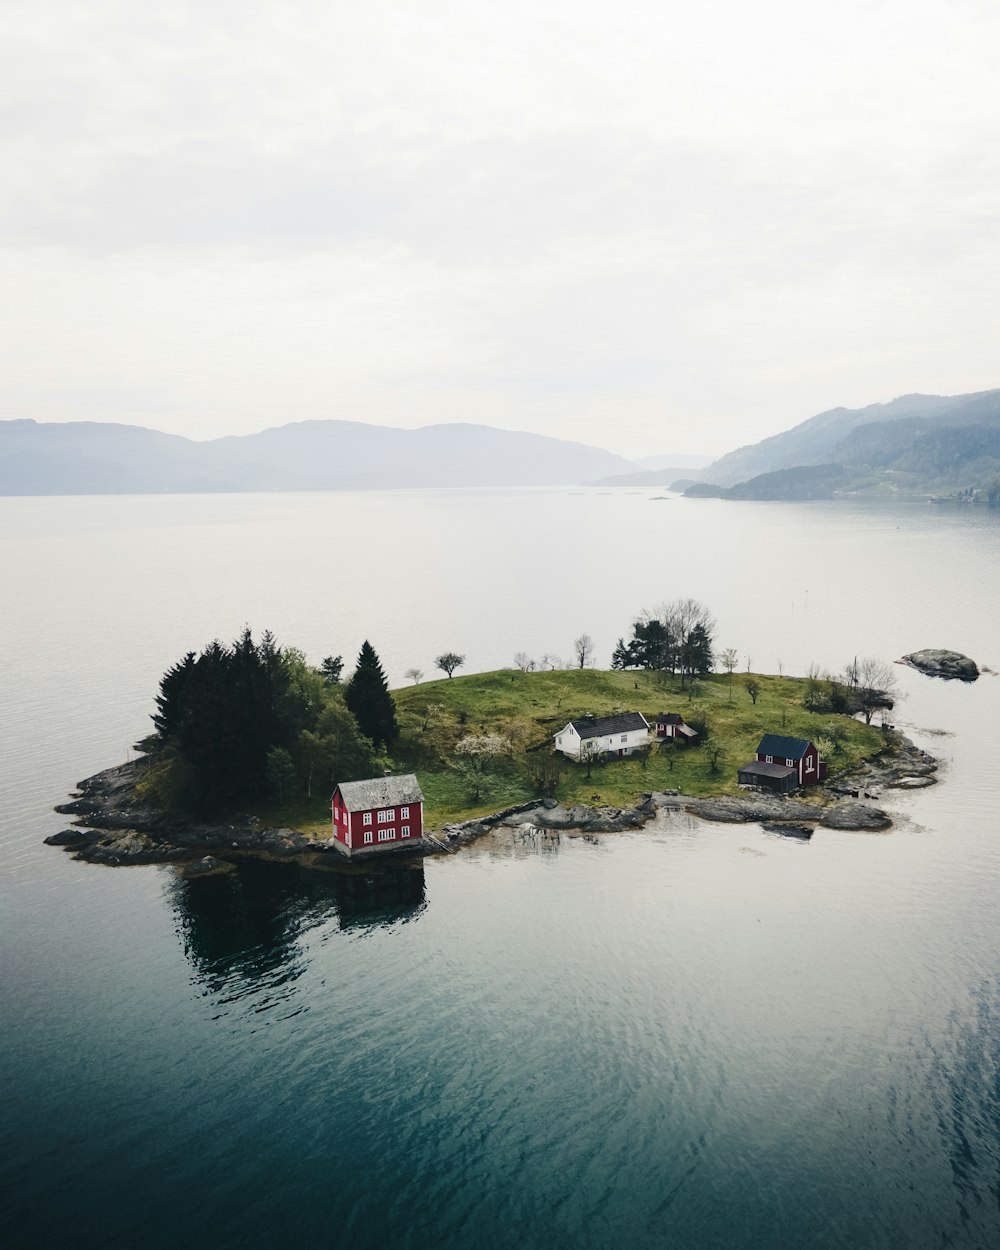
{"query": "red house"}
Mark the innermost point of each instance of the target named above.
(671, 725)
(380, 814)
(783, 763)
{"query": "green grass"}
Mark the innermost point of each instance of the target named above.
(531, 707)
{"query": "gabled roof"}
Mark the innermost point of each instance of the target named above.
(790, 748)
(757, 769)
(599, 726)
(359, 796)
(669, 718)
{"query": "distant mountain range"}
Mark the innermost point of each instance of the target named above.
(96, 458)
(926, 444)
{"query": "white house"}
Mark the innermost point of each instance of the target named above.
(617, 735)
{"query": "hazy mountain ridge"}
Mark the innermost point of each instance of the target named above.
(72, 458)
(917, 443)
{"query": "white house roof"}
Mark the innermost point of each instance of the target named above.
(360, 796)
(601, 726)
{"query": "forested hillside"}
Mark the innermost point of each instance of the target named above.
(919, 444)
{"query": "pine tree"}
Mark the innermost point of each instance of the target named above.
(170, 702)
(367, 695)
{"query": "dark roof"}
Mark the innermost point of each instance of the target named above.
(669, 718)
(360, 796)
(767, 770)
(598, 726)
(790, 748)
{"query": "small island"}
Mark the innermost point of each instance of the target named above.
(250, 742)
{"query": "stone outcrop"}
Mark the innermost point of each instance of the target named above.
(903, 766)
(951, 665)
(776, 809)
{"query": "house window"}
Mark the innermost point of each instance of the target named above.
(368, 836)
(768, 759)
(386, 835)
(404, 813)
(559, 740)
(789, 763)
(624, 737)
(405, 831)
(368, 818)
(809, 765)
(386, 815)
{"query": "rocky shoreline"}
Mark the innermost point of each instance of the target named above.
(114, 827)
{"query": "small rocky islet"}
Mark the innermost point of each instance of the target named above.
(114, 826)
(936, 662)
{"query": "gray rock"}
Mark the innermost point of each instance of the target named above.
(207, 866)
(788, 831)
(71, 837)
(947, 664)
(559, 817)
(855, 816)
(758, 807)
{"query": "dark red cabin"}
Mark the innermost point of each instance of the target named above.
(797, 753)
(379, 814)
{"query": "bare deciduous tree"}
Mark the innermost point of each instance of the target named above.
(545, 768)
(876, 686)
(590, 754)
(583, 649)
(415, 675)
(449, 661)
(729, 659)
(524, 662)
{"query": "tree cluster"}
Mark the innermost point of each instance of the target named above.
(241, 724)
(674, 638)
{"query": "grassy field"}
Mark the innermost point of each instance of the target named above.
(529, 708)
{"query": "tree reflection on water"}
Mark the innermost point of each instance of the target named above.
(241, 932)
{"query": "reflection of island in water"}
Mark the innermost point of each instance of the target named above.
(241, 929)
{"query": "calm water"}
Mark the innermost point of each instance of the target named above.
(695, 1036)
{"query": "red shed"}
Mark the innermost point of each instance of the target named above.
(379, 814)
(671, 725)
(797, 753)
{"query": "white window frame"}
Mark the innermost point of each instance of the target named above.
(404, 813)
(387, 835)
(405, 831)
(809, 764)
(368, 837)
(768, 759)
(387, 816)
(789, 763)
(368, 818)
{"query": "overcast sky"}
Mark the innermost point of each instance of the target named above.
(650, 226)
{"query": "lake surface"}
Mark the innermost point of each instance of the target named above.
(693, 1036)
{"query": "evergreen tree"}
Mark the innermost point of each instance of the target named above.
(696, 654)
(651, 645)
(170, 701)
(623, 655)
(331, 668)
(218, 717)
(367, 696)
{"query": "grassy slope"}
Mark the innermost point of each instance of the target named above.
(532, 706)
